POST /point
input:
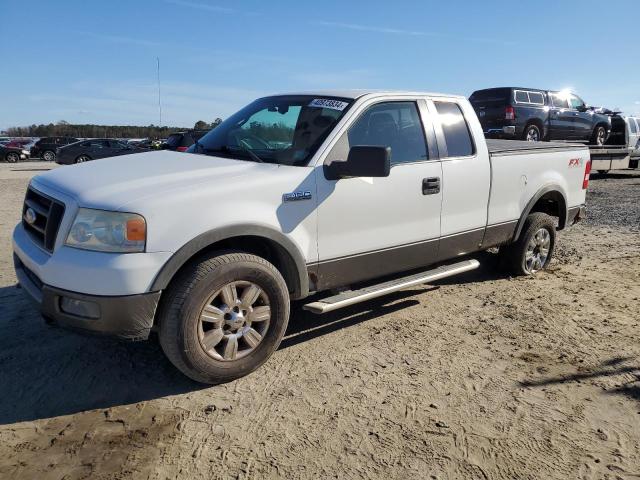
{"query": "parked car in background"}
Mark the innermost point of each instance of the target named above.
(93, 149)
(535, 115)
(181, 141)
(46, 147)
(12, 154)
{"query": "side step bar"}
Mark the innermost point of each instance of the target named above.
(356, 296)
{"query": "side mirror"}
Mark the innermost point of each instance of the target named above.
(582, 108)
(362, 161)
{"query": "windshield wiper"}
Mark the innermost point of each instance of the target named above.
(253, 155)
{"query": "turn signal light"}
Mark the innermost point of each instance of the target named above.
(587, 172)
(136, 230)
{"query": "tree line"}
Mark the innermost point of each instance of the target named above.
(66, 129)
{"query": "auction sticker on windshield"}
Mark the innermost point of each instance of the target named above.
(328, 103)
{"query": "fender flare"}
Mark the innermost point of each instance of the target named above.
(206, 239)
(550, 188)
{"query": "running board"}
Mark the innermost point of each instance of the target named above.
(356, 296)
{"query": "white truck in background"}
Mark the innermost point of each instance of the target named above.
(293, 197)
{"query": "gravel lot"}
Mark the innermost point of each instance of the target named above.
(480, 376)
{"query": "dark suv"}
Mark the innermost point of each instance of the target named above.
(45, 148)
(534, 115)
(181, 141)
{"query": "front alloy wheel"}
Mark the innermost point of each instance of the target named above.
(223, 316)
(12, 157)
(234, 321)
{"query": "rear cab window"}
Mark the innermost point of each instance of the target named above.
(528, 97)
(632, 126)
(457, 135)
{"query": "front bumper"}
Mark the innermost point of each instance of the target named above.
(129, 317)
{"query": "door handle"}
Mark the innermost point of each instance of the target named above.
(430, 185)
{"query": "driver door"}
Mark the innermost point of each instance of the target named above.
(370, 227)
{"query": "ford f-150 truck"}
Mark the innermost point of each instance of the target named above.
(343, 195)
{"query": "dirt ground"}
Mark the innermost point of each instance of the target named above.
(481, 376)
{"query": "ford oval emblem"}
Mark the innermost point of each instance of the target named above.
(30, 216)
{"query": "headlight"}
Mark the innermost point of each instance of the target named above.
(104, 231)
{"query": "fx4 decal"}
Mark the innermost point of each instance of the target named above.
(575, 162)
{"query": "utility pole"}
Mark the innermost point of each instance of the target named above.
(159, 103)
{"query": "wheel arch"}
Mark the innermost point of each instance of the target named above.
(257, 239)
(549, 199)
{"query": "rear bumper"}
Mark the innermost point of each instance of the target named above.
(508, 132)
(576, 214)
(129, 317)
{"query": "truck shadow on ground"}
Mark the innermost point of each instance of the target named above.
(48, 372)
(627, 385)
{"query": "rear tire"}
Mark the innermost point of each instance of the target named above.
(48, 156)
(210, 340)
(532, 133)
(534, 248)
(599, 136)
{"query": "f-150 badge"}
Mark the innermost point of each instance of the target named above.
(295, 196)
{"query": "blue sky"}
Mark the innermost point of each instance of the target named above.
(95, 62)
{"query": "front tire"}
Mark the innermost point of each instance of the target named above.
(223, 316)
(48, 156)
(534, 248)
(12, 157)
(82, 159)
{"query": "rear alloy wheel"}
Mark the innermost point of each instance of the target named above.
(223, 316)
(532, 133)
(599, 136)
(48, 156)
(534, 248)
(82, 159)
(12, 157)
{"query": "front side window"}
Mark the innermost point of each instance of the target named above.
(286, 130)
(559, 100)
(575, 102)
(391, 124)
(456, 131)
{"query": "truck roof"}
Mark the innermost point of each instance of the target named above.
(357, 93)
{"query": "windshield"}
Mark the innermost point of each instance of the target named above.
(286, 130)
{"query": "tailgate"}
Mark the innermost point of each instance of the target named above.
(523, 171)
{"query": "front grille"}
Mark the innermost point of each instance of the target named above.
(48, 215)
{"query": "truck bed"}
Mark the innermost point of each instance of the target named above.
(511, 147)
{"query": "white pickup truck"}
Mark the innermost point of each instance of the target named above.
(294, 195)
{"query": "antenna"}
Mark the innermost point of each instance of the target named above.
(159, 103)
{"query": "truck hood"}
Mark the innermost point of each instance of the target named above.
(112, 183)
